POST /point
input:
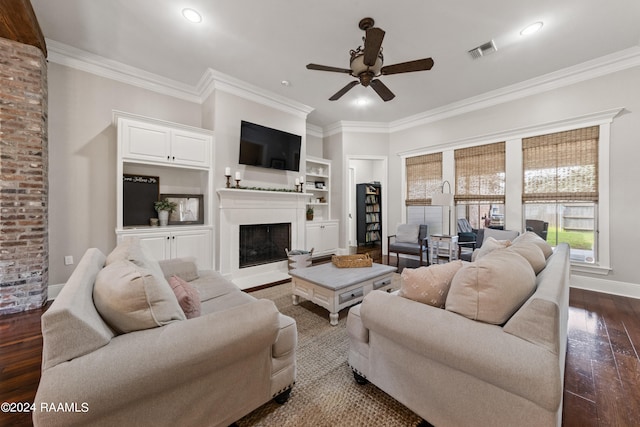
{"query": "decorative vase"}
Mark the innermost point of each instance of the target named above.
(309, 217)
(163, 216)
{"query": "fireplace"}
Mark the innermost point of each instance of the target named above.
(263, 243)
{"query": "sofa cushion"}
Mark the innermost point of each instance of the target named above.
(131, 298)
(185, 268)
(490, 244)
(532, 253)
(428, 285)
(530, 236)
(407, 233)
(186, 295)
(493, 288)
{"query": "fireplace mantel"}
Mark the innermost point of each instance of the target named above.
(245, 207)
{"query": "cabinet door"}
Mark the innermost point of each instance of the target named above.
(190, 148)
(314, 237)
(145, 141)
(330, 236)
(193, 243)
(158, 244)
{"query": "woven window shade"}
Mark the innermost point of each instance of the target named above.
(480, 174)
(424, 177)
(561, 167)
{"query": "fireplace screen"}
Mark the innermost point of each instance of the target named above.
(264, 243)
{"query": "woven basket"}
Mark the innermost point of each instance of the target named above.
(352, 261)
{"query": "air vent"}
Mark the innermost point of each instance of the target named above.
(483, 50)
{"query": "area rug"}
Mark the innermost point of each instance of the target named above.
(325, 393)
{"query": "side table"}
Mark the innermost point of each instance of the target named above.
(443, 248)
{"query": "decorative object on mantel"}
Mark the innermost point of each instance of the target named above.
(280, 190)
(352, 261)
(309, 213)
(238, 179)
(164, 208)
(227, 174)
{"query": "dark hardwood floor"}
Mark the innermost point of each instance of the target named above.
(602, 378)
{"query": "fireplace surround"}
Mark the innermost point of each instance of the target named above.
(249, 207)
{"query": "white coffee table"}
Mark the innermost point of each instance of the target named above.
(336, 288)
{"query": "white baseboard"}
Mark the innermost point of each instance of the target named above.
(624, 289)
(53, 291)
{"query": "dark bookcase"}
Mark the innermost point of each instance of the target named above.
(369, 214)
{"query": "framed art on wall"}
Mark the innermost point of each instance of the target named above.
(190, 209)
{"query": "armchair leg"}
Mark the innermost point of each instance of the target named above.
(360, 379)
(283, 397)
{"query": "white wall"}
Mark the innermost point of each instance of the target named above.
(621, 89)
(82, 158)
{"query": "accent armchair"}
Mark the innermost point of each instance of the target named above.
(410, 239)
(537, 226)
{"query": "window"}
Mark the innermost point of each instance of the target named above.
(480, 184)
(424, 177)
(560, 188)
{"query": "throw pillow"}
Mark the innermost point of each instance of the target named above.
(187, 296)
(532, 253)
(407, 233)
(530, 236)
(130, 298)
(491, 289)
(489, 245)
(428, 285)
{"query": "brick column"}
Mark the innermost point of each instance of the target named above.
(24, 249)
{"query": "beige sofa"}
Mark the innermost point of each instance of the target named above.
(205, 371)
(454, 371)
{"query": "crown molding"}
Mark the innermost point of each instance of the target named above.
(356, 127)
(314, 130)
(618, 61)
(608, 64)
(213, 80)
(210, 81)
(78, 59)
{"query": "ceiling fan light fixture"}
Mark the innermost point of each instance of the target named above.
(358, 66)
(192, 15)
(533, 28)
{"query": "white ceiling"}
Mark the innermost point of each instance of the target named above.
(263, 42)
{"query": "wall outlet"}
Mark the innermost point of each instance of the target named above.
(68, 260)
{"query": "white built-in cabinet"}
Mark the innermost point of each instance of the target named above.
(181, 157)
(322, 231)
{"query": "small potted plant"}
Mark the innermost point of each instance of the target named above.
(164, 208)
(309, 213)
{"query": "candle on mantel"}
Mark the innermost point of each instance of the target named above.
(297, 181)
(238, 175)
(227, 171)
(302, 180)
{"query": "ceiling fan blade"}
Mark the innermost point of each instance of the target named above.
(327, 68)
(407, 67)
(372, 44)
(344, 90)
(382, 90)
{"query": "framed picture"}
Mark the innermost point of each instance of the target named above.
(320, 184)
(190, 209)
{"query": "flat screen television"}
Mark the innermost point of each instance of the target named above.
(269, 148)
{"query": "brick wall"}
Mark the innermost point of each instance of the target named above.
(24, 252)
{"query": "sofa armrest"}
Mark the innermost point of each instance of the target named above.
(137, 365)
(478, 349)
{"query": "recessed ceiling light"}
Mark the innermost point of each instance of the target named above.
(361, 102)
(533, 28)
(285, 83)
(192, 15)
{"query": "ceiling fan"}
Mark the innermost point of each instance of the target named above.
(366, 64)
